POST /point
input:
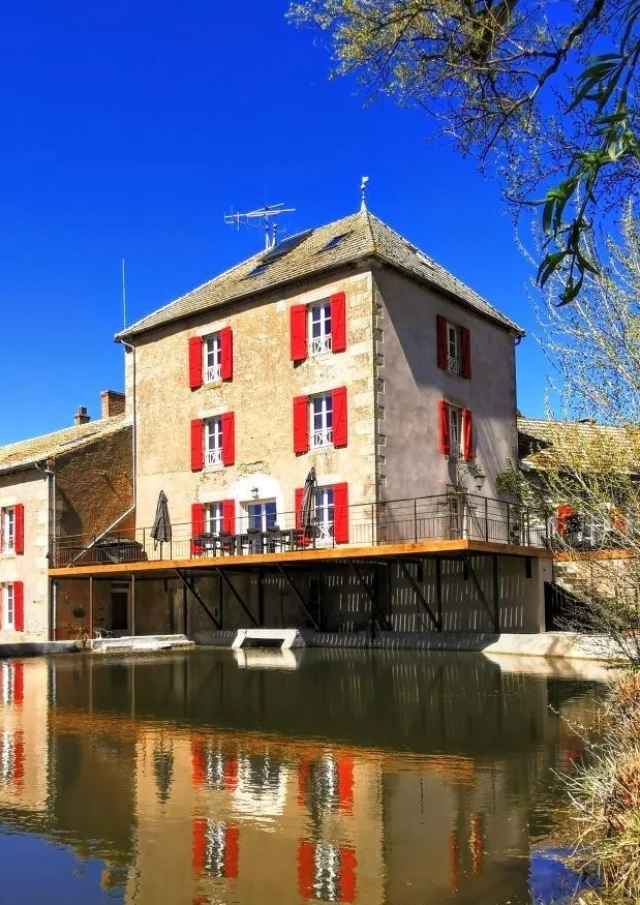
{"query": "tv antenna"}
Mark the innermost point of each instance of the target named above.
(261, 219)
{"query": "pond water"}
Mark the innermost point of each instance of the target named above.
(207, 777)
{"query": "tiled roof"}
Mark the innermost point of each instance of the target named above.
(39, 449)
(364, 236)
(552, 444)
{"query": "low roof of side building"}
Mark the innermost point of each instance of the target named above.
(350, 240)
(26, 453)
(547, 444)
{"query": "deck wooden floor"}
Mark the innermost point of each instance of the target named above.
(443, 548)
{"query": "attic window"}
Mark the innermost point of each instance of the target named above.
(284, 247)
(260, 268)
(335, 241)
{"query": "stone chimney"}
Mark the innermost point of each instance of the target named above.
(81, 416)
(113, 403)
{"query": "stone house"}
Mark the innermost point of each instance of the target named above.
(344, 348)
(76, 481)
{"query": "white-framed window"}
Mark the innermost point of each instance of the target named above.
(213, 442)
(454, 355)
(455, 432)
(8, 529)
(8, 607)
(325, 518)
(261, 514)
(321, 415)
(320, 328)
(213, 518)
(7, 685)
(212, 352)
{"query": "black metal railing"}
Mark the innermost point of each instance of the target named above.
(436, 518)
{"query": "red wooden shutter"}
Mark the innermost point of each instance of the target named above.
(199, 844)
(441, 330)
(467, 434)
(341, 513)
(300, 425)
(338, 322)
(197, 444)
(563, 513)
(298, 506)
(445, 445)
(306, 869)
(195, 362)
(197, 527)
(229, 516)
(19, 527)
(228, 438)
(18, 683)
(198, 763)
(226, 353)
(345, 784)
(618, 519)
(230, 774)
(231, 850)
(298, 332)
(18, 603)
(340, 416)
(348, 865)
(466, 352)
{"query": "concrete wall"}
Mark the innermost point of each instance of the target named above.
(261, 394)
(28, 487)
(410, 385)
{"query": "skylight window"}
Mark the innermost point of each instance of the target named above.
(260, 268)
(284, 247)
(335, 241)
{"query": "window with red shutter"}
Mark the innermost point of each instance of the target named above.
(197, 528)
(445, 443)
(563, 514)
(465, 336)
(228, 438)
(341, 513)
(441, 331)
(298, 332)
(299, 498)
(199, 844)
(195, 362)
(18, 511)
(348, 865)
(467, 434)
(231, 852)
(306, 870)
(18, 683)
(338, 322)
(340, 425)
(229, 516)
(18, 602)
(300, 425)
(197, 444)
(226, 354)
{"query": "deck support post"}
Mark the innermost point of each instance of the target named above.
(439, 590)
(90, 633)
(420, 596)
(382, 619)
(260, 599)
(496, 592)
(481, 594)
(189, 586)
(300, 598)
(227, 581)
(133, 604)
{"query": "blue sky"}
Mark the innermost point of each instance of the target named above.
(129, 129)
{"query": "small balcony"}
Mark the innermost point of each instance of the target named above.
(320, 345)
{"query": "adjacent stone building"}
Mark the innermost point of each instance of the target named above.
(76, 481)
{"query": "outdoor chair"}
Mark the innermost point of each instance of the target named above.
(227, 543)
(274, 539)
(255, 540)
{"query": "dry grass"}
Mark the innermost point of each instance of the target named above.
(605, 798)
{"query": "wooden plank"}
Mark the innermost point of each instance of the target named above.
(332, 554)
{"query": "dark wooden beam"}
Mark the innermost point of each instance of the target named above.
(382, 619)
(420, 596)
(191, 587)
(227, 581)
(300, 598)
(481, 594)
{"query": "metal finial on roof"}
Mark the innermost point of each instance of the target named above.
(363, 190)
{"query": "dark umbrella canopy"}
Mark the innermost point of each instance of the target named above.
(161, 530)
(308, 514)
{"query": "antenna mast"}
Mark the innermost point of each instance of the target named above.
(261, 219)
(124, 297)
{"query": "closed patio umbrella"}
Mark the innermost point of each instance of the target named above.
(308, 514)
(161, 530)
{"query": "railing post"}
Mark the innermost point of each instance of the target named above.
(486, 519)
(415, 520)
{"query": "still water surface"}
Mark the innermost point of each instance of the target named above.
(335, 776)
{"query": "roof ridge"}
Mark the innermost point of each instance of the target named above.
(99, 422)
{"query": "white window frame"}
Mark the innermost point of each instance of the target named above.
(454, 351)
(264, 524)
(8, 607)
(8, 529)
(213, 441)
(7, 686)
(321, 421)
(212, 358)
(455, 432)
(324, 512)
(319, 314)
(213, 518)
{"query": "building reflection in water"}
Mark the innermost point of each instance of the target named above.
(391, 778)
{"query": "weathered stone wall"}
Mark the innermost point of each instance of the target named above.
(261, 394)
(29, 488)
(410, 385)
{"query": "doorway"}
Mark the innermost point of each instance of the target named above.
(119, 606)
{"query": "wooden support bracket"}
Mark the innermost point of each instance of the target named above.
(299, 596)
(420, 597)
(191, 587)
